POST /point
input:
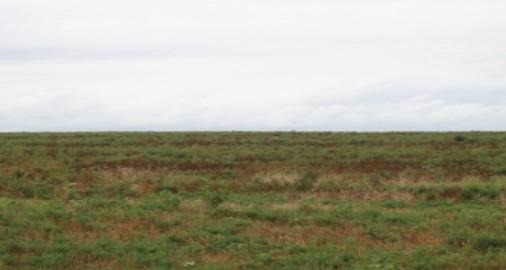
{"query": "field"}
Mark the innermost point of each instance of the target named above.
(279, 200)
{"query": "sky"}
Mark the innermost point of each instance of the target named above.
(349, 65)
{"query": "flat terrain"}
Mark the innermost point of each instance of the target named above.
(253, 200)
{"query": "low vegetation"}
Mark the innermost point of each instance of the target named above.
(280, 200)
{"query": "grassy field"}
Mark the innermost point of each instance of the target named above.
(253, 200)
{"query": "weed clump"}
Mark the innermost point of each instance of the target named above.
(458, 239)
(501, 171)
(306, 182)
(458, 192)
(474, 192)
(485, 243)
(215, 200)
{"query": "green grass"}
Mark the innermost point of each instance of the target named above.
(237, 200)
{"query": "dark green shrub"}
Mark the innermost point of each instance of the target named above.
(459, 138)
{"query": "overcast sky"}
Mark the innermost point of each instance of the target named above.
(73, 65)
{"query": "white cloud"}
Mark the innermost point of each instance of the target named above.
(252, 65)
